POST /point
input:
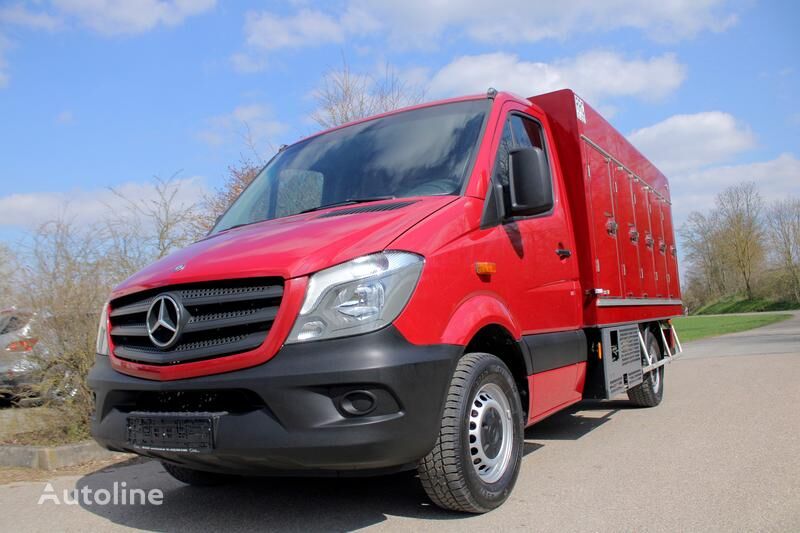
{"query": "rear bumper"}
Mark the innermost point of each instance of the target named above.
(290, 414)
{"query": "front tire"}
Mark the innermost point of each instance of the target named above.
(651, 390)
(477, 456)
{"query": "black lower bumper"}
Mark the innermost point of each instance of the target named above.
(369, 402)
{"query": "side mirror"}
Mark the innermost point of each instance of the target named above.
(530, 183)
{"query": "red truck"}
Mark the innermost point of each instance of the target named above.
(407, 291)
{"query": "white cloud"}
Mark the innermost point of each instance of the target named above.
(775, 178)
(415, 21)
(108, 17)
(116, 17)
(249, 124)
(305, 28)
(695, 152)
(595, 75)
(424, 23)
(695, 191)
(684, 143)
(20, 15)
(29, 210)
(420, 23)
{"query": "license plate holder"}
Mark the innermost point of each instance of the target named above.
(172, 432)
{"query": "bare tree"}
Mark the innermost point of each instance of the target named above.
(7, 276)
(702, 237)
(70, 270)
(215, 204)
(149, 228)
(783, 219)
(740, 209)
(66, 283)
(344, 96)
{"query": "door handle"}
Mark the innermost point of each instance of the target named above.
(563, 253)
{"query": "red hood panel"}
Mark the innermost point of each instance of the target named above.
(286, 247)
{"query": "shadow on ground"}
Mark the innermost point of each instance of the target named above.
(305, 503)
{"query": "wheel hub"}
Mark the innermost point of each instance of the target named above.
(491, 432)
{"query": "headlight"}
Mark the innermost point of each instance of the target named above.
(359, 296)
(102, 333)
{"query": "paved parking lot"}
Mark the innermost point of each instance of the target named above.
(722, 452)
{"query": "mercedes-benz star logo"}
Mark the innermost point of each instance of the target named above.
(164, 321)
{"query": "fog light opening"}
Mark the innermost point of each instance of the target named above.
(358, 403)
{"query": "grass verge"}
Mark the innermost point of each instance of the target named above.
(697, 327)
(743, 305)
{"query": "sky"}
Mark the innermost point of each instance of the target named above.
(109, 93)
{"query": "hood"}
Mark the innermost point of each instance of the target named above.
(287, 247)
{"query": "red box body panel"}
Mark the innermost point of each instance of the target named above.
(621, 213)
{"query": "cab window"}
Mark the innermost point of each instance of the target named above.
(518, 132)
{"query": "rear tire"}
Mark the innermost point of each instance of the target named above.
(650, 391)
(477, 456)
(196, 478)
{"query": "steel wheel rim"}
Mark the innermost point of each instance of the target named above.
(655, 375)
(491, 432)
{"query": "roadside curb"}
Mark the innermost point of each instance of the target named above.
(54, 457)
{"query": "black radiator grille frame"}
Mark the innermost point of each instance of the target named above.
(222, 318)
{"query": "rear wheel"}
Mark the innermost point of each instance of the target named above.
(197, 478)
(650, 391)
(477, 456)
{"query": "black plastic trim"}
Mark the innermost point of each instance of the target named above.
(293, 420)
(548, 351)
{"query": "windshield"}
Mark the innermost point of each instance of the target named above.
(421, 152)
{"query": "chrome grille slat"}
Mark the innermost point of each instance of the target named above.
(221, 318)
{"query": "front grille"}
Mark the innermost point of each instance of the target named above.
(218, 319)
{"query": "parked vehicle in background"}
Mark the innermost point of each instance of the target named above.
(19, 357)
(407, 291)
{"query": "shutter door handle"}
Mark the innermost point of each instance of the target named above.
(563, 253)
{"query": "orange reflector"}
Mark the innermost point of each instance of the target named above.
(600, 350)
(485, 268)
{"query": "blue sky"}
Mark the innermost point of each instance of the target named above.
(99, 93)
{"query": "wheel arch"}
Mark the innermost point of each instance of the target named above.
(499, 341)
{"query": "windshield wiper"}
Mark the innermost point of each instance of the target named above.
(349, 201)
(239, 225)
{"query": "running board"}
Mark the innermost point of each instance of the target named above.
(670, 356)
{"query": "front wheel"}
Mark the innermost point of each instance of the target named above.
(477, 456)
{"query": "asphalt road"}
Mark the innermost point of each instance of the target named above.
(721, 453)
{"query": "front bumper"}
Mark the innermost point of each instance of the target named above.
(291, 413)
